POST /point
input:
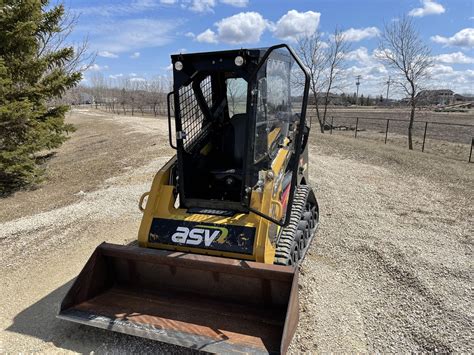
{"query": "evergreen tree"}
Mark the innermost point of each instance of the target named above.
(31, 75)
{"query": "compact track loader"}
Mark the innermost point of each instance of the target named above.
(227, 219)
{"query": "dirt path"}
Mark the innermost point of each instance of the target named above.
(389, 270)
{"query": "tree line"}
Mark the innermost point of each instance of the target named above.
(123, 96)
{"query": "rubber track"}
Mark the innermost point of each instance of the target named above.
(287, 235)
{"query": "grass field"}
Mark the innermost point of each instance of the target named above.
(453, 141)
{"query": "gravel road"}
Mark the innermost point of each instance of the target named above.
(390, 270)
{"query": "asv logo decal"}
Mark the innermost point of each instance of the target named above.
(199, 234)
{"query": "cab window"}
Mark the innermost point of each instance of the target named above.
(236, 96)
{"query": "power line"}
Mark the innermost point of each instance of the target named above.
(388, 82)
(358, 77)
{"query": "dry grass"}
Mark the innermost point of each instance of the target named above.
(450, 141)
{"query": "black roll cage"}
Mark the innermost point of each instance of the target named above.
(251, 107)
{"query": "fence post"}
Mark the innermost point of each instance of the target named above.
(332, 121)
(424, 137)
(470, 154)
(357, 124)
(386, 131)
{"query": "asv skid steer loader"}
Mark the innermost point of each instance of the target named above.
(226, 220)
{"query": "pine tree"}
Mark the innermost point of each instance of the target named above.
(31, 75)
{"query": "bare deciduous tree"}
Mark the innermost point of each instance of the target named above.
(58, 39)
(325, 63)
(131, 93)
(99, 88)
(403, 51)
(236, 95)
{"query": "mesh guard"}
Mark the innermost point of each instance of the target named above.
(193, 122)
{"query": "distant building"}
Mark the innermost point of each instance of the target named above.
(436, 97)
(333, 99)
(85, 98)
(460, 98)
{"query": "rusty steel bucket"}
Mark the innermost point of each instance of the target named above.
(201, 302)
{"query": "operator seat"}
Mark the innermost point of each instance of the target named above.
(233, 141)
(229, 176)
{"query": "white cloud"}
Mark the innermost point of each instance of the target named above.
(190, 35)
(358, 34)
(323, 44)
(463, 38)
(97, 67)
(117, 8)
(208, 5)
(202, 5)
(444, 76)
(359, 55)
(133, 34)
(135, 55)
(295, 24)
(367, 64)
(115, 76)
(208, 36)
(456, 57)
(168, 2)
(236, 3)
(245, 27)
(107, 54)
(439, 69)
(364, 63)
(137, 79)
(429, 8)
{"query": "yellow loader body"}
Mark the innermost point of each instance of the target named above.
(226, 220)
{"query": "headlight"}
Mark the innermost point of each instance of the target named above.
(239, 61)
(178, 66)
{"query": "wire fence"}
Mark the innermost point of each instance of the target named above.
(454, 140)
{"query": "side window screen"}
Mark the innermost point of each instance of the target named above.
(194, 124)
(236, 96)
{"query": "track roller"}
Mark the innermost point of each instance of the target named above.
(296, 237)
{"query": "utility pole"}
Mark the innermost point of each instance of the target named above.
(358, 77)
(388, 86)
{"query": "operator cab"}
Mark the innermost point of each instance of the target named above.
(233, 112)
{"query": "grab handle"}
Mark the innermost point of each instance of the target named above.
(169, 119)
(140, 203)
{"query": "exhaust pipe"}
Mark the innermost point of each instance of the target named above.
(201, 302)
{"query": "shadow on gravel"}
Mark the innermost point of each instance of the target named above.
(39, 321)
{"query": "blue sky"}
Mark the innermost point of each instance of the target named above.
(135, 38)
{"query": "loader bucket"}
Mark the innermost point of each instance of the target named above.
(201, 302)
